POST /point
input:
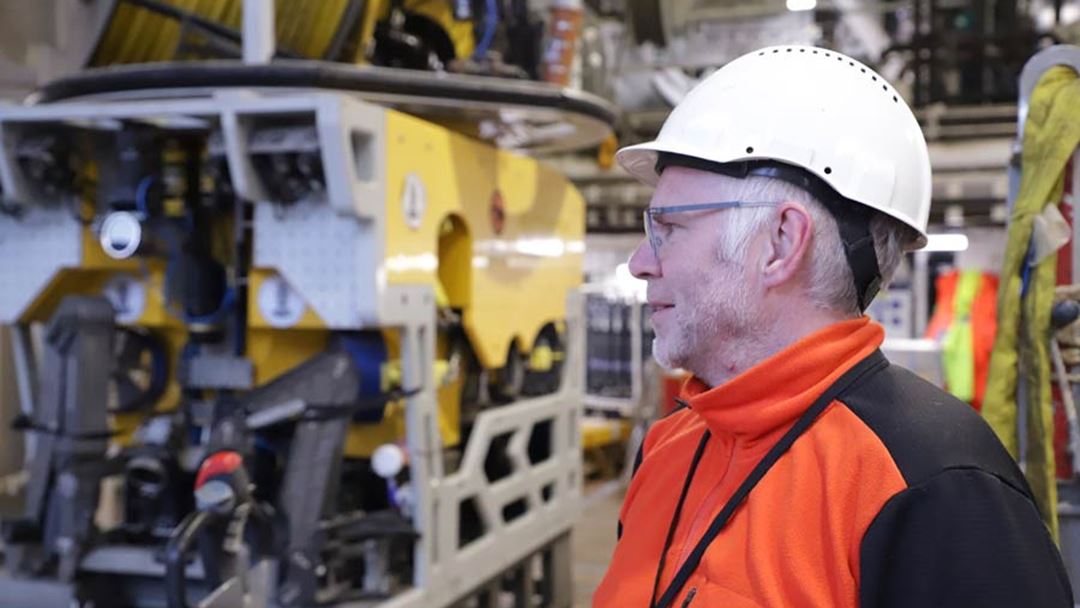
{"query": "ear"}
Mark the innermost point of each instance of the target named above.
(790, 234)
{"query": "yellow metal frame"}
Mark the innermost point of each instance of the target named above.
(500, 238)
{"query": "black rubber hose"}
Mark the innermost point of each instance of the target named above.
(354, 12)
(324, 75)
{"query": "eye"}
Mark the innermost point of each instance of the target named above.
(662, 226)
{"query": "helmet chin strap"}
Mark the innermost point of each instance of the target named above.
(852, 218)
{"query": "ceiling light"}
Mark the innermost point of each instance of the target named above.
(801, 5)
(946, 242)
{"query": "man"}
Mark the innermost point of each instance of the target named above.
(802, 469)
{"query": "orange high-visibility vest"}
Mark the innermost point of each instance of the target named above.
(965, 321)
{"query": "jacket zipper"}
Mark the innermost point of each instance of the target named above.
(689, 597)
(703, 511)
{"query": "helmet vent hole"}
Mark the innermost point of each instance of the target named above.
(761, 53)
(788, 50)
(802, 50)
(874, 78)
(828, 170)
(749, 149)
(815, 52)
(776, 50)
(863, 70)
(894, 98)
(885, 88)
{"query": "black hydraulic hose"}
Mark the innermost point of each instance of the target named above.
(354, 11)
(325, 75)
(176, 550)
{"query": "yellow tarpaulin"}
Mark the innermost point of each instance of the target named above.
(1051, 135)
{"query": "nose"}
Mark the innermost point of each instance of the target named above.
(643, 263)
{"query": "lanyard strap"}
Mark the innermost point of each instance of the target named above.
(870, 365)
(678, 513)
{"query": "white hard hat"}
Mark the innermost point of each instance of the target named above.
(813, 108)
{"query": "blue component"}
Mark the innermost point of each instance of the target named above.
(190, 350)
(228, 298)
(392, 493)
(491, 21)
(227, 301)
(1025, 270)
(195, 435)
(140, 195)
(368, 352)
(262, 443)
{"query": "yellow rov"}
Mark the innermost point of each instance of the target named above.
(285, 303)
(496, 235)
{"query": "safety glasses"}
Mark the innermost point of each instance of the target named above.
(656, 232)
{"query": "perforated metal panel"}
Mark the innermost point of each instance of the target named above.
(327, 257)
(33, 249)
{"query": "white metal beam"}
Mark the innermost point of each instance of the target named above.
(259, 41)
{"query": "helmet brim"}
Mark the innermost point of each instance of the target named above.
(639, 160)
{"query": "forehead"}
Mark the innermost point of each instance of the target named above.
(683, 185)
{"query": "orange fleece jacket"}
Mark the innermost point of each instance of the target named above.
(897, 495)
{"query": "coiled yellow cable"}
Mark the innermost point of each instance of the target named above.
(139, 35)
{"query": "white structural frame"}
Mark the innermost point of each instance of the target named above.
(351, 134)
(444, 573)
(258, 38)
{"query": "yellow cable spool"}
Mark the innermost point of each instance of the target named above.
(308, 28)
(137, 34)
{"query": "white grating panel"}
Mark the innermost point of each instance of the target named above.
(33, 249)
(324, 255)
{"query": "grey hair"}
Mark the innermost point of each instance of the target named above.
(830, 285)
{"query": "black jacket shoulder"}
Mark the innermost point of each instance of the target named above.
(965, 531)
(927, 430)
